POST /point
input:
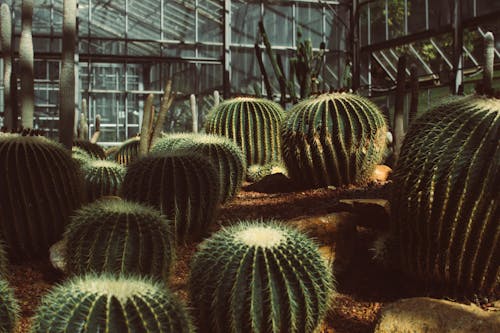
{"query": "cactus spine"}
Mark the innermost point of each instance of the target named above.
(224, 154)
(119, 237)
(183, 185)
(6, 36)
(334, 139)
(41, 187)
(252, 123)
(102, 178)
(9, 308)
(111, 304)
(26, 61)
(67, 77)
(259, 277)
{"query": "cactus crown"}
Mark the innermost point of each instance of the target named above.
(260, 236)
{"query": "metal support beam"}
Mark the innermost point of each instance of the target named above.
(458, 45)
(226, 79)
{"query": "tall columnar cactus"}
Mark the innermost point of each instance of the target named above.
(119, 237)
(128, 151)
(398, 126)
(102, 178)
(259, 277)
(93, 149)
(9, 308)
(26, 63)
(334, 139)
(445, 204)
(183, 185)
(252, 123)
(67, 77)
(5, 38)
(41, 186)
(104, 303)
(224, 154)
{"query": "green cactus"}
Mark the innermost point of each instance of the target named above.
(252, 123)
(102, 178)
(9, 308)
(333, 139)
(445, 202)
(6, 42)
(80, 156)
(119, 237)
(128, 151)
(41, 187)
(258, 276)
(224, 154)
(93, 149)
(3, 260)
(183, 185)
(256, 172)
(105, 303)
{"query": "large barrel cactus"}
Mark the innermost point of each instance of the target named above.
(333, 139)
(252, 123)
(102, 178)
(259, 277)
(93, 149)
(92, 304)
(41, 186)
(446, 195)
(117, 236)
(224, 154)
(128, 151)
(183, 185)
(9, 309)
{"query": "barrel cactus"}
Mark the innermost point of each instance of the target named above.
(117, 236)
(3, 260)
(259, 277)
(93, 149)
(252, 123)
(102, 178)
(9, 308)
(224, 154)
(41, 187)
(128, 151)
(80, 156)
(183, 185)
(445, 202)
(105, 303)
(333, 139)
(257, 172)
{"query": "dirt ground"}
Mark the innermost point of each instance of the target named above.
(362, 289)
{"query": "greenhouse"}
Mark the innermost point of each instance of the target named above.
(249, 166)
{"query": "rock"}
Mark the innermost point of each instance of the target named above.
(57, 252)
(427, 315)
(381, 173)
(373, 213)
(336, 232)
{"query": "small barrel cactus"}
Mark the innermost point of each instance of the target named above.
(259, 277)
(41, 187)
(104, 303)
(334, 139)
(256, 172)
(445, 201)
(102, 178)
(9, 309)
(224, 154)
(117, 236)
(80, 156)
(183, 185)
(252, 123)
(128, 151)
(93, 149)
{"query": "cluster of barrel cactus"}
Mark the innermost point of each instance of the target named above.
(259, 276)
(102, 178)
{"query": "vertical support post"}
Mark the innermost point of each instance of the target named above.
(355, 45)
(458, 44)
(226, 79)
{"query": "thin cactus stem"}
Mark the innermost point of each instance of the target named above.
(398, 122)
(6, 38)
(265, 77)
(146, 125)
(166, 102)
(291, 81)
(97, 132)
(194, 112)
(83, 126)
(216, 98)
(489, 58)
(26, 60)
(414, 86)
